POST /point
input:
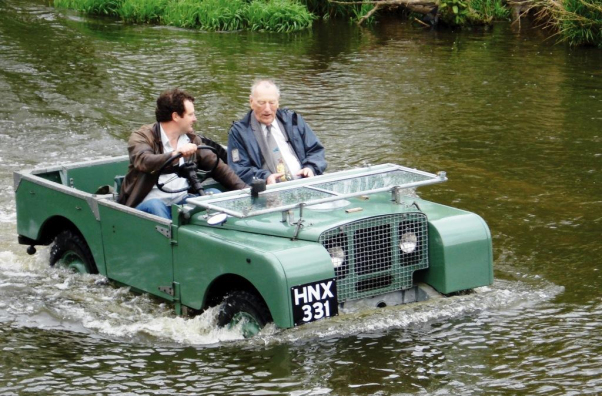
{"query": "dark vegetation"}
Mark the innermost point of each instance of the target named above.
(578, 22)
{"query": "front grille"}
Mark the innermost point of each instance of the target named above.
(373, 261)
(372, 247)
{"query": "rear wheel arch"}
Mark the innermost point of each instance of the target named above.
(54, 226)
(69, 243)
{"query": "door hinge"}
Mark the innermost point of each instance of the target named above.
(165, 231)
(166, 289)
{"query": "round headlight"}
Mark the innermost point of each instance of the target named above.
(408, 242)
(337, 255)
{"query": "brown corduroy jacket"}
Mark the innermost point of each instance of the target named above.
(146, 155)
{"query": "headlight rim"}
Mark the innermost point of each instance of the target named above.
(408, 246)
(338, 256)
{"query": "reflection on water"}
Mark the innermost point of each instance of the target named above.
(512, 118)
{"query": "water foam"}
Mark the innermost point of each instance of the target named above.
(52, 298)
(502, 295)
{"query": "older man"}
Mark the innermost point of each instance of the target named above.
(152, 145)
(273, 144)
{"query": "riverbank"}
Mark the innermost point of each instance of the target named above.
(210, 15)
(578, 22)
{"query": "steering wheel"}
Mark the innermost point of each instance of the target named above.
(188, 170)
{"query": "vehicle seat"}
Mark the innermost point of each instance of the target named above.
(117, 186)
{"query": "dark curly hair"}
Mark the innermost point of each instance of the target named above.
(170, 101)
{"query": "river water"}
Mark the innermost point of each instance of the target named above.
(513, 118)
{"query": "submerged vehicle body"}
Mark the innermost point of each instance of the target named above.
(294, 253)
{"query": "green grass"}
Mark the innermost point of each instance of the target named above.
(205, 14)
(212, 15)
(491, 9)
(222, 14)
(277, 16)
(94, 7)
(142, 11)
(579, 22)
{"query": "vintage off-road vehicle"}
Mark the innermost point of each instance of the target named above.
(297, 252)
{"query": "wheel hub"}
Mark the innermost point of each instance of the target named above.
(247, 324)
(73, 262)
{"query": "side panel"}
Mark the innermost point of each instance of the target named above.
(137, 254)
(271, 264)
(89, 179)
(460, 253)
(36, 203)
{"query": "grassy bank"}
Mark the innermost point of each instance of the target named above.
(270, 15)
(578, 22)
(273, 15)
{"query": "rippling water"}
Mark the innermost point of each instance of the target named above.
(513, 118)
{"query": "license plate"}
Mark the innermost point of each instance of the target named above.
(313, 301)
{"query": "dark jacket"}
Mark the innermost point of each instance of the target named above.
(306, 145)
(146, 155)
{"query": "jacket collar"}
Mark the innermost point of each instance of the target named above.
(159, 141)
(157, 136)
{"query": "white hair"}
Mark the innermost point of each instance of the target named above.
(265, 82)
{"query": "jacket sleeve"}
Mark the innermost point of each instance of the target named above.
(222, 173)
(314, 151)
(244, 166)
(142, 155)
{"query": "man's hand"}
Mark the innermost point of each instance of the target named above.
(273, 178)
(187, 150)
(305, 172)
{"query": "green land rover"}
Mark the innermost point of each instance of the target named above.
(292, 254)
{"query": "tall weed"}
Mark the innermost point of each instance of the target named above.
(142, 11)
(277, 16)
(182, 13)
(491, 9)
(94, 7)
(205, 14)
(579, 22)
(360, 11)
(270, 15)
(221, 14)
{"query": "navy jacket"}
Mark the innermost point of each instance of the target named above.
(306, 145)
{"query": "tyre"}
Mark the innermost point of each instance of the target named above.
(245, 309)
(71, 251)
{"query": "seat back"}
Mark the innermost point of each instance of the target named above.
(117, 186)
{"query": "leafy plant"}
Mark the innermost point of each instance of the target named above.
(277, 15)
(361, 11)
(221, 14)
(94, 7)
(491, 9)
(271, 15)
(454, 12)
(579, 22)
(142, 11)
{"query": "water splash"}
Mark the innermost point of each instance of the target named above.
(51, 298)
